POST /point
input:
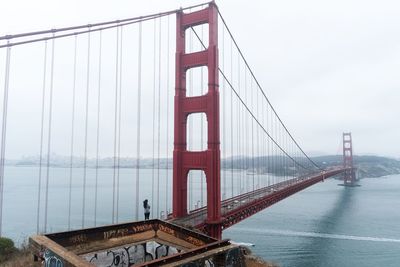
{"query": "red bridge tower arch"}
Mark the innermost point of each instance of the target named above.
(208, 160)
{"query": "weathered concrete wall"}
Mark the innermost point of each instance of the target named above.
(128, 255)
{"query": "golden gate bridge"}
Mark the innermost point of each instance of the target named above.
(107, 88)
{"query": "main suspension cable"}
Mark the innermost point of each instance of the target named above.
(93, 25)
(262, 91)
(247, 108)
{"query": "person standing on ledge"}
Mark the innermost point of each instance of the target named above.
(146, 207)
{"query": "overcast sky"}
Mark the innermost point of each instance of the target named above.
(327, 66)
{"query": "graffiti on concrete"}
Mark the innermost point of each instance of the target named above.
(52, 260)
(132, 254)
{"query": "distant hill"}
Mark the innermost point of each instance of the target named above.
(367, 166)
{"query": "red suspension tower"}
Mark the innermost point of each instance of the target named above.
(349, 177)
(208, 160)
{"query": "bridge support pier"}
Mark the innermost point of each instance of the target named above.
(209, 160)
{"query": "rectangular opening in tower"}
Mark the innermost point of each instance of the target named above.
(196, 132)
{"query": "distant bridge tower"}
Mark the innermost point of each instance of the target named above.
(208, 160)
(349, 176)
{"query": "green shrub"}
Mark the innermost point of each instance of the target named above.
(7, 248)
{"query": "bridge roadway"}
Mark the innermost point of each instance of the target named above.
(242, 206)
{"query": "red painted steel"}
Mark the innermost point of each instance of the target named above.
(251, 208)
(349, 176)
(209, 160)
(238, 208)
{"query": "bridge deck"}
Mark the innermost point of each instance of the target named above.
(242, 206)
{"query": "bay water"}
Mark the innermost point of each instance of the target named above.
(329, 225)
(324, 225)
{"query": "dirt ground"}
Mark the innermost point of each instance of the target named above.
(21, 260)
(254, 261)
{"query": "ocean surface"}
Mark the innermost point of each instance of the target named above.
(324, 225)
(329, 225)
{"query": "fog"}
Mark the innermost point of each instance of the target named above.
(327, 67)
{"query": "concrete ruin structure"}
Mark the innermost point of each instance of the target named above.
(143, 243)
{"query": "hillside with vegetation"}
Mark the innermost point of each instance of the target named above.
(367, 166)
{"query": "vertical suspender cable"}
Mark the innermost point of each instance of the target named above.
(115, 125)
(49, 134)
(4, 132)
(41, 138)
(201, 130)
(246, 122)
(263, 141)
(96, 182)
(274, 158)
(267, 179)
(239, 133)
(268, 153)
(291, 176)
(294, 161)
(244, 137)
(274, 148)
(190, 136)
(232, 121)
(265, 145)
(276, 152)
(263, 180)
(271, 154)
(288, 147)
(86, 132)
(283, 155)
(258, 137)
(282, 163)
(154, 118)
(252, 132)
(223, 118)
(283, 159)
(71, 159)
(167, 116)
(270, 149)
(119, 124)
(138, 122)
(159, 118)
